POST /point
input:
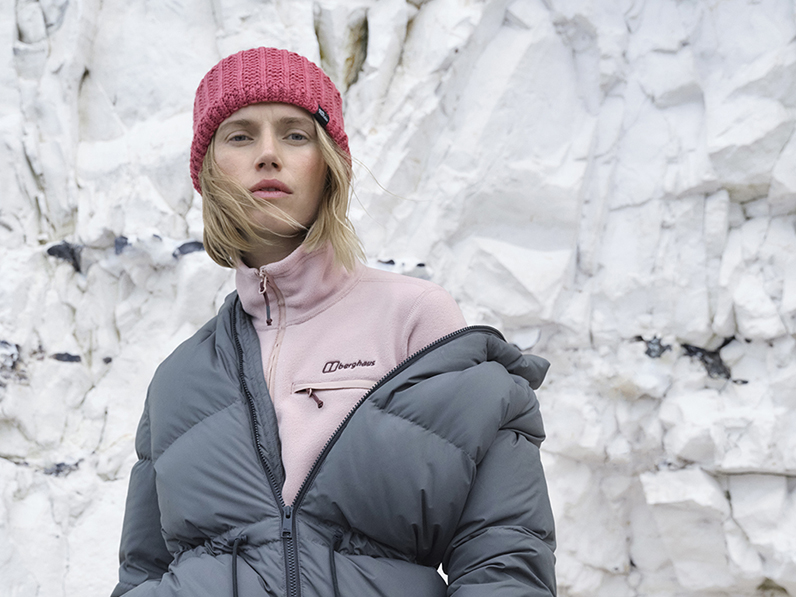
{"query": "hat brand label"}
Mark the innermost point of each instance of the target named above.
(321, 116)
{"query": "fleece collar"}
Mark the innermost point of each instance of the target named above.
(296, 288)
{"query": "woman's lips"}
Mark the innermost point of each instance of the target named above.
(270, 189)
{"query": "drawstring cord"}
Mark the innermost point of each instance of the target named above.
(263, 291)
(336, 540)
(235, 546)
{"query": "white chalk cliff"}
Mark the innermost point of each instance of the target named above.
(611, 183)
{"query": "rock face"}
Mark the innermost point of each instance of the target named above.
(612, 184)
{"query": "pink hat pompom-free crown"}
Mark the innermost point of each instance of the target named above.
(262, 75)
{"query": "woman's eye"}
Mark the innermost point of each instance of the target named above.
(238, 138)
(297, 136)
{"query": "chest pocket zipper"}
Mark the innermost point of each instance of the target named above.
(344, 384)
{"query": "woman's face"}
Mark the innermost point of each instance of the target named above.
(272, 150)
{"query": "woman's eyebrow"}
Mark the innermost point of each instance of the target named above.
(295, 121)
(238, 122)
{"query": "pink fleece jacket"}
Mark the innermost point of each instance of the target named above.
(333, 334)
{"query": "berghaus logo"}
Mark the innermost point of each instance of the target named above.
(332, 366)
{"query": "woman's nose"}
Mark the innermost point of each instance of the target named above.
(268, 155)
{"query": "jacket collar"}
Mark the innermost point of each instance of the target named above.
(298, 287)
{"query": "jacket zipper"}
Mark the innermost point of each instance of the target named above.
(290, 546)
(288, 520)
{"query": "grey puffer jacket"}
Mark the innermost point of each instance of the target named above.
(439, 463)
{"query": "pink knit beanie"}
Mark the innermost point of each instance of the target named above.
(262, 75)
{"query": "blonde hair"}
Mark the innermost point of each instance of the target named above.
(229, 230)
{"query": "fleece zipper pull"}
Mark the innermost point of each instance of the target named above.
(264, 292)
(311, 394)
(287, 522)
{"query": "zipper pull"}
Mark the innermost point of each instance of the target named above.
(312, 395)
(264, 292)
(287, 522)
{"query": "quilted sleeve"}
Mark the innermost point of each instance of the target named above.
(142, 555)
(505, 539)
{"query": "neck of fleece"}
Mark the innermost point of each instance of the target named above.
(294, 289)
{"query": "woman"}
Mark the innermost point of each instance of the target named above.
(334, 430)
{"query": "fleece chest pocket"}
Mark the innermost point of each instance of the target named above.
(344, 392)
